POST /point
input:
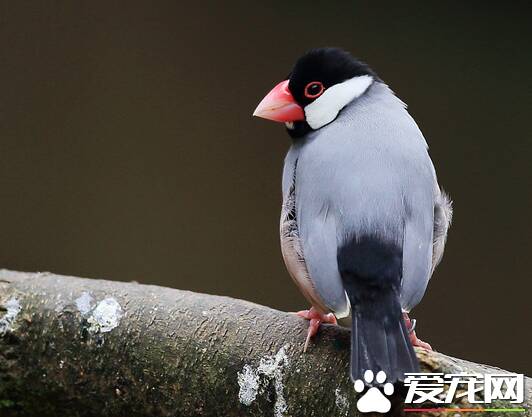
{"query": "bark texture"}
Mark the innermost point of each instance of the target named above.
(81, 347)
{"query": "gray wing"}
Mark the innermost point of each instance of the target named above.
(417, 254)
(422, 254)
(320, 250)
(443, 215)
(316, 273)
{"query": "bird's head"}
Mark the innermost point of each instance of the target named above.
(321, 84)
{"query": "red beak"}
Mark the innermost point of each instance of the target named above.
(279, 105)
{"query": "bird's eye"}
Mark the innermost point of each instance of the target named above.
(314, 89)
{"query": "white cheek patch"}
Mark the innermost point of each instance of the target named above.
(325, 108)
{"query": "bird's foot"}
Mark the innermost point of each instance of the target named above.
(316, 318)
(410, 325)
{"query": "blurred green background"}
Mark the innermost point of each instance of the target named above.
(129, 151)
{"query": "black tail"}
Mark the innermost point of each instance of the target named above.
(371, 272)
(381, 345)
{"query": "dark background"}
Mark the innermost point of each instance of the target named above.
(129, 151)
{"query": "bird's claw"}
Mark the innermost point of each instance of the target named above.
(410, 326)
(316, 318)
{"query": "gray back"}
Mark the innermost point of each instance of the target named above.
(368, 172)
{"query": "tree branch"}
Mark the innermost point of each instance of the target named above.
(80, 347)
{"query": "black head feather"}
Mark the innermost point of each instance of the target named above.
(329, 66)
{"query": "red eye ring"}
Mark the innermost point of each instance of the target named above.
(316, 92)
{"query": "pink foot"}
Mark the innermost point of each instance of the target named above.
(413, 338)
(316, 318)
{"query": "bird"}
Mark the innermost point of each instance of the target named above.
(363, 220)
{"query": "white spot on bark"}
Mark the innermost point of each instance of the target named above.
(84, 302)
(256, 381)
(248, 381)
(106, 316)
(341, 402)
(12, 307)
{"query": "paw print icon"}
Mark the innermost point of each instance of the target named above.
(374, 400)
